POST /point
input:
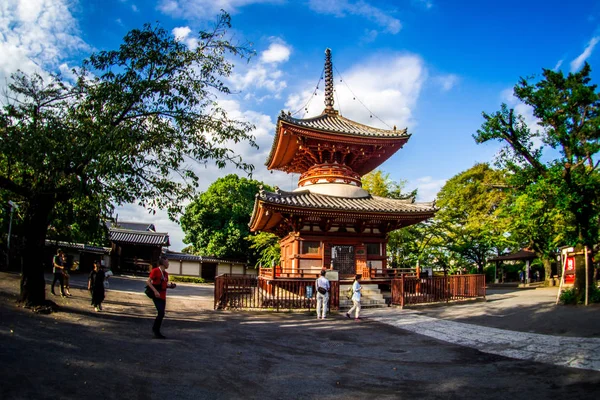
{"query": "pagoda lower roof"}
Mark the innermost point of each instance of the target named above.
(305, 203)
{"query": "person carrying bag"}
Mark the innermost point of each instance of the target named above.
(323, 287)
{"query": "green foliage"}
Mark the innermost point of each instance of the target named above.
(188, 279)
(571, 296)
(568, 296)
(469, 224)
(216, 222)
(568, 186)
(378, 183)
(266, 246)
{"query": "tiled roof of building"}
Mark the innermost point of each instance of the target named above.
(138, 237)
(133, 226)
(523, 254)
(79, 246)
(191, 257)
(333, 122)
(305, 199)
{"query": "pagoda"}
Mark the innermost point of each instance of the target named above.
(330, 220)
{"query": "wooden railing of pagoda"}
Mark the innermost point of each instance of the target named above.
(387, 273)
(278, 272)
(237, 292)
(407, 290)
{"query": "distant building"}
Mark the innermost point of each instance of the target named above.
(205, 267)
(135, 246)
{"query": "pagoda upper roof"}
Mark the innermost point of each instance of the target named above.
(296, 142)
(303, 202)
(332, 122)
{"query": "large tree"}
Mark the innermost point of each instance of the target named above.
(216, 222)
(567, 109)
(129, 128)
(469, 219)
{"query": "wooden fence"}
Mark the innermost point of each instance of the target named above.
(409, 290)
(249, 292)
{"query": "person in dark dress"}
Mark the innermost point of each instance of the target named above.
(96, 286)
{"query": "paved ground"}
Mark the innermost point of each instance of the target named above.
(213, 354)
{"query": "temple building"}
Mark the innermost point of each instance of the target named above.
(330, 220)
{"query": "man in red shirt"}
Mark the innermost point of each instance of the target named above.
(158, 281)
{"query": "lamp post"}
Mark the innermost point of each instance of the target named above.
(13, 206)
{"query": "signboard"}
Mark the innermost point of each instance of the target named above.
(570, 271)
(309, 292)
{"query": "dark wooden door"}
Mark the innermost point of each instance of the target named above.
(342, 258)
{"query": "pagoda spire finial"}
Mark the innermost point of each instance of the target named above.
(328, 83)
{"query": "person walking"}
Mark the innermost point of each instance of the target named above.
(96, 286)
(356, 289)
(58, 266)
(158, 281)
(323, 287)
(66, 275)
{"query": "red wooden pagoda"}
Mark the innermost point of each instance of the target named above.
(329, 220)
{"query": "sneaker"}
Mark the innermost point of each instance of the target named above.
(97, 309)
(158, 335)
(348, 315)
(100, 307)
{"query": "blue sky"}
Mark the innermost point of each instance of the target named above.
(431, 66)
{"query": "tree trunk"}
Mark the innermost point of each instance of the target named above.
(33, 285)
(580, 272)
(547, 269)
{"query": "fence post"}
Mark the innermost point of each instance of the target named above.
(402, 291)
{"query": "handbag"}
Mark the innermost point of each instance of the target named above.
(149, 292)
(322, 290)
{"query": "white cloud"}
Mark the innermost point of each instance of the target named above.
(392, 99)
(134, 8)
(369, 36)
(205, 9)
(264, 74)
(558, 65)
(35, 35)
(578, 62)
(276, 53)
(340, 8)
(427, 187)
(446, 82)
(181, 32)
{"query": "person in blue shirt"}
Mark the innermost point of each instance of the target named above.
(356, 289)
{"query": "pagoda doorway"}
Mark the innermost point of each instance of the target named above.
(342, 260)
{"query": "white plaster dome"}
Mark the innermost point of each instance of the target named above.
(335, 189)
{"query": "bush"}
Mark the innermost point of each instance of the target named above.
(189, 279)
(568, 296)
(594, 295)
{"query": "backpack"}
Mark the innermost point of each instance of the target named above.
(349, 293)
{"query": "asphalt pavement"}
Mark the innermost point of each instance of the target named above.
(523, 324)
